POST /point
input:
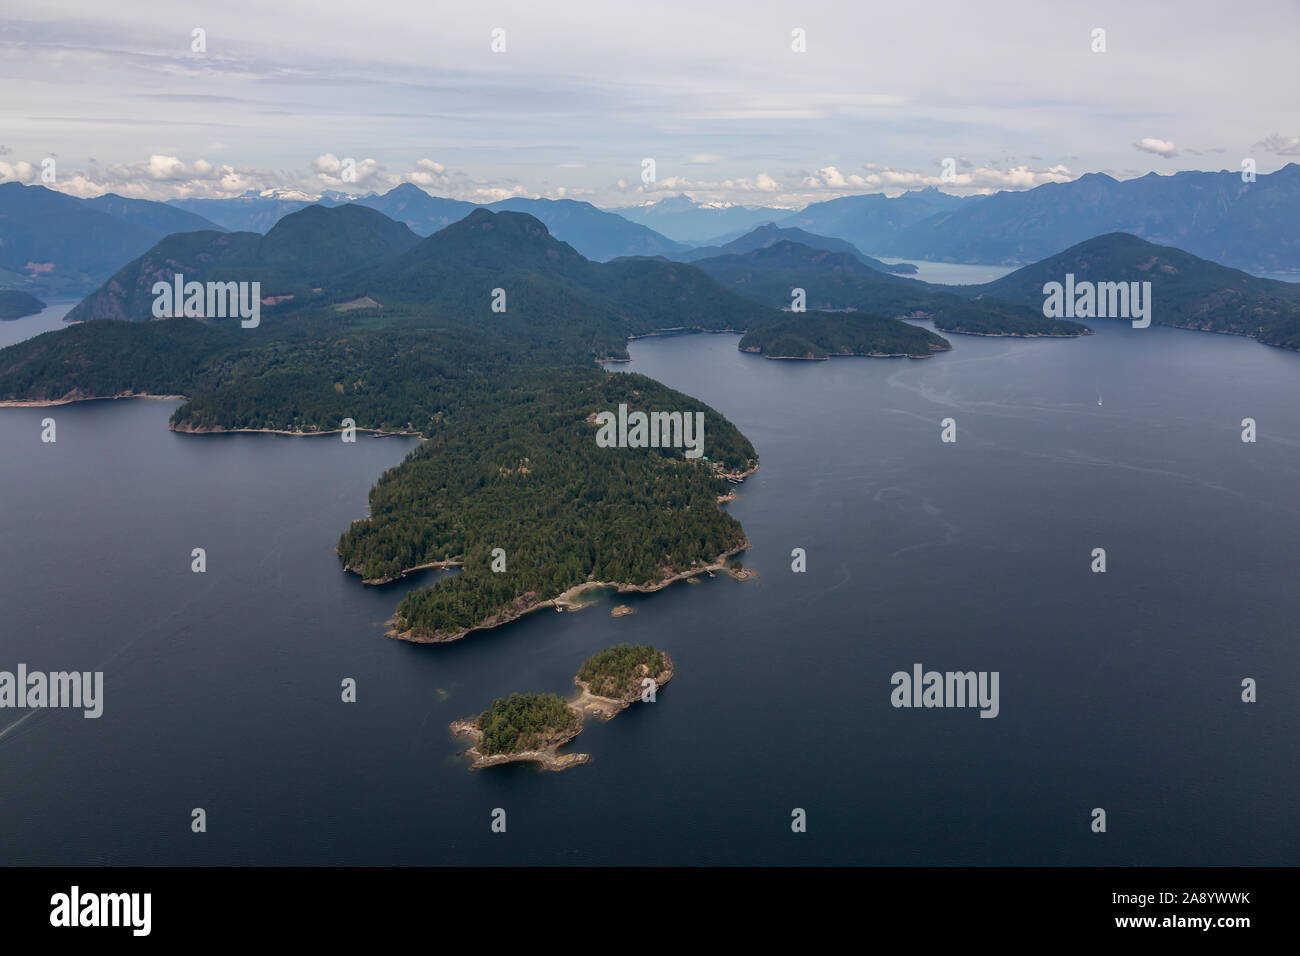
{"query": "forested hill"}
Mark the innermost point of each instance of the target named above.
(502, 272)
(457, 271)
(820, 335)
(506, 400)
(304, 252)
(770, 233)
(837, 281)
(526, 475)
(1186, 291)
(14, 304)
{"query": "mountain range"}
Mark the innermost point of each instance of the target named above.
(328, 260)
(56, 245)
(690, 222)
(61, 245)
(331, 260)
(874, 221)
(595, 233)
(1217, 216)
(351, 259)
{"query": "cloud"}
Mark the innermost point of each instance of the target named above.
(436, 178)
(20, 172)
(975, 179)
(762, 183)
(158, 177)
(345, 173)
(1280, 145)
(829, 177)
(428, 175)
(164, 176)
(1159, 147)
(828, 182)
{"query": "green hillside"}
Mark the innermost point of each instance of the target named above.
(1186, 291)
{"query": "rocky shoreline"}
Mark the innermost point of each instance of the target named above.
(75, 396)
(1020, 335)
(831, 355)
(184, 428)
(547, 757)
(448, 563)
(565, 601)
(527, 603)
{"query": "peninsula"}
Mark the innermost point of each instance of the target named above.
(16, 304)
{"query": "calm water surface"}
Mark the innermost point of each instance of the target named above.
(1118, 690)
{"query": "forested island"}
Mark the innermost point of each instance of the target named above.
(533, 727)
(618, 673)
(523, 727)
(820, 335)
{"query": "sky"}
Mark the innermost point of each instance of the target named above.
(577, 95)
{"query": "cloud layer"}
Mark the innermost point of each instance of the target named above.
(283, 95)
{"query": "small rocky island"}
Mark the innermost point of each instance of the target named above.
(740, 572)
(533, 727)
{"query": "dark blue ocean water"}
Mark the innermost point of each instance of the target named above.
(1119, 690)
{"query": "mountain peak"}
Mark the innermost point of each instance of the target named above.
(505, 225)
(406, 189)
(672, 203)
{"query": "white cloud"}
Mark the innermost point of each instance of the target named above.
(158, 177)
(972, 179)
(346, 173)
(428, 175)
(830, 182)
(21, 172)
(1159, 147)
(829, 177)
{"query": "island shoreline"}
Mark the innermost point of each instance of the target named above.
(50, 403)
(563, 601)
(548, 756)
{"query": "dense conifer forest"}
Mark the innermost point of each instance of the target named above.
(617, 671)
(524, 722)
